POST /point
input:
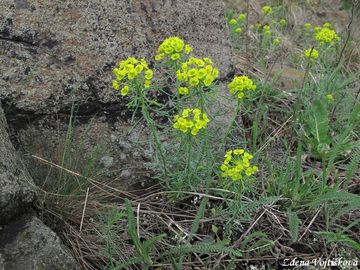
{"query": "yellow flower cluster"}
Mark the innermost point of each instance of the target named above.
(242, 17)
(233, 22)
(330, 97)
(239, 85)
(173, 47)
(267, 30)
(308, 25)
(277, 41)
(266, 10)
(191, 120)
(311, 54)
(197, 71)
(325, 34)
(128, 70)
(237, 164)
(238, 30)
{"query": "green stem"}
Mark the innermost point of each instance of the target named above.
(152, 127)
(202, 99)
(188, 166)
(300, 97)
(228, 129)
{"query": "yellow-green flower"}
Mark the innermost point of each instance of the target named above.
(188, 49)
(173, 47)
(147, 83)
(277, 41)
(317, 29)
(330, 97)
(181, 76)
(282, 22)
(194, 81)
(175, 56)
(236, 165)
(238, 30)
(267, 28)
(131, 69)
(233, 22)
(239, 85)
(311, 53)
(124, 90)
(115, 84)
(160, 56)
(197, 71)
(327, 25)
(242, 17)
(191, 121)
(326, 35)
(149, 74)
(308, 25)
(183, 90)
(266, 10)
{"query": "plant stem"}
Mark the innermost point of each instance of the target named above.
(228, 129)
(188, 166)
(152, 127)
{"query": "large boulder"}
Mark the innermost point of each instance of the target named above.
(16, 185)
(50, 49)
(28, 244)
(25, 242)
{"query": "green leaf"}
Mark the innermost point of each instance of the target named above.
(320, 128)
(294, 223)
(341, 238)
(199, 215)
(149, 243)
(132, 229)
(334, 195)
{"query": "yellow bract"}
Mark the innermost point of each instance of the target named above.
(191, 121)
(277, 41)
(236, 165)
(308, 25)
(242, 17)
(233, 22)
(197, 71)
(311, 53)
(325, 34)
(173, 47)
(128, 70)
(183, 90)
(266, 10)
(239, 85)
(266, 28)
(330, 97)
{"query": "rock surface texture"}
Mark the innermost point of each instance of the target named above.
(50, 49)
(16, 185)
(54, 54)
(25, 242)
(29, 244)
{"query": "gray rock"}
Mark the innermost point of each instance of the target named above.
(29, 244)
(93, 149)
(16, 185)
(50, 49)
